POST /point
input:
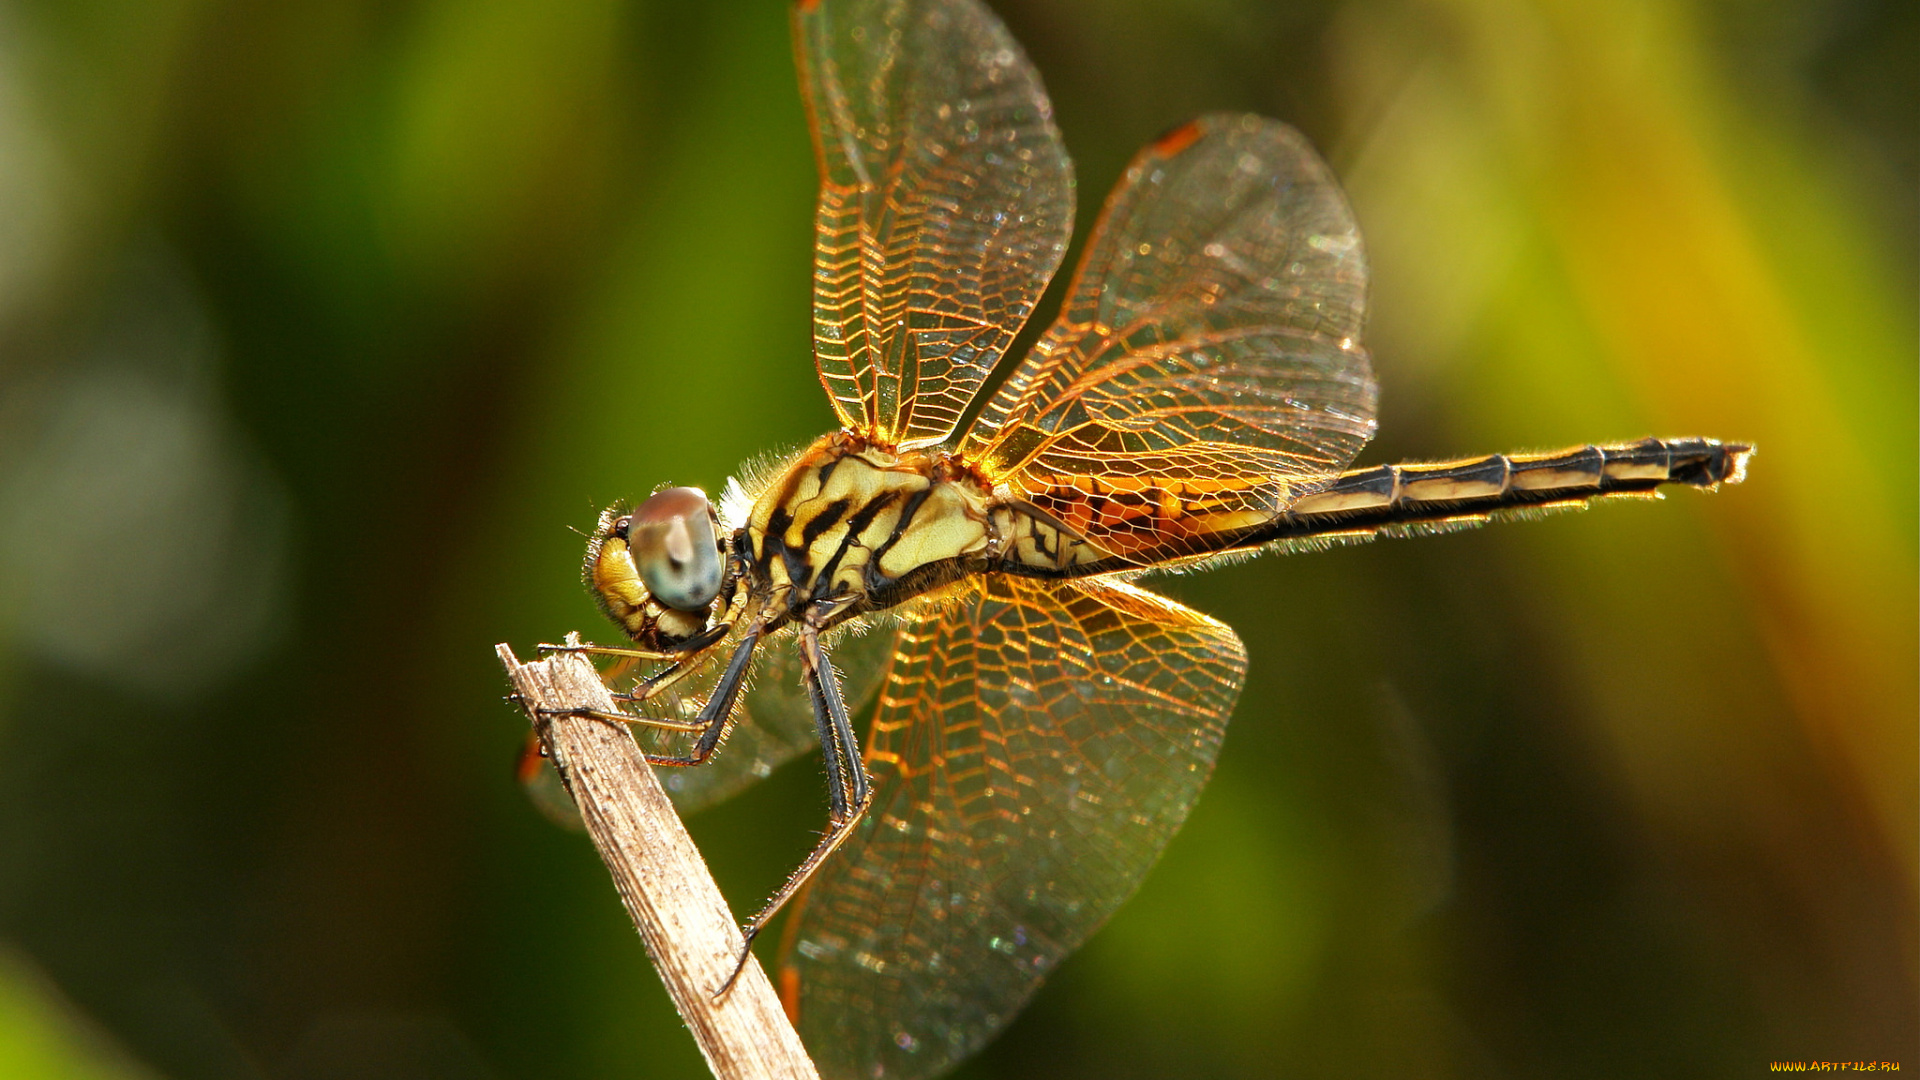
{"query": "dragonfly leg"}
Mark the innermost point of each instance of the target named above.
(698, 643)
(623, 718)
(659, 680)
(717, 714)
(849, 791)
(683, 665)
(649, 687)
(590, 649)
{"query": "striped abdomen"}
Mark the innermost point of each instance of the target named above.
(1390, 499)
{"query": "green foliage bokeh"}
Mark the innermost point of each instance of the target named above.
(322, 324)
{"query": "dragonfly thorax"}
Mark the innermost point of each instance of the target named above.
(850, 525)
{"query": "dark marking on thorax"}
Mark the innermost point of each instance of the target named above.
(848, 521)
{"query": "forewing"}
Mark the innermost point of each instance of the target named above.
(1206, 368)
(774, 720)
(946, 203)
(1035, 746)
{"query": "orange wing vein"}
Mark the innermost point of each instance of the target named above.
(1035, 747)
(1206, 368)
(946, 203)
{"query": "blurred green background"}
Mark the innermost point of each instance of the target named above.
(323, 323)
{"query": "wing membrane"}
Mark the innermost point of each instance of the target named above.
(946, 203)
(1035, 746)
(1207, 366)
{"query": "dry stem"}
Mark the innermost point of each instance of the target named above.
(686, 925)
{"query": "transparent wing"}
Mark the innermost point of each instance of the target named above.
(946, 203)
(774, 721)
(1206, 367)
(1034, 748)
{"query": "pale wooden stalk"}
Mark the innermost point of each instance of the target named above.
(688, 930)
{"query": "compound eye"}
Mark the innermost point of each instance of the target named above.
(674, 549)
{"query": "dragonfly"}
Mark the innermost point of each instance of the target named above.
(959, 569)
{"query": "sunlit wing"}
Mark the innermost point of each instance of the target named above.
(774, 721)
(1035, 746)
(1206, 368)
(946, 203)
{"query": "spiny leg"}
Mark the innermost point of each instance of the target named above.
(835, 729)
(714, 715)
(590, 649)
(684, 664)
(651, 686)
(700, 642)
(717, 714)
(849, 792)
(660, 680)
(624, 718)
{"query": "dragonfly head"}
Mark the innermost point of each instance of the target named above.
(657, 570)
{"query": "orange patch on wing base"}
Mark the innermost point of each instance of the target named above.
(531, 757)
(790, 992)
(1178, 139)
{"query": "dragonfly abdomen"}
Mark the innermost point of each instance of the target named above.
(1364, 503)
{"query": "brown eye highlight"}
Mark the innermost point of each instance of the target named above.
(675, 550)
